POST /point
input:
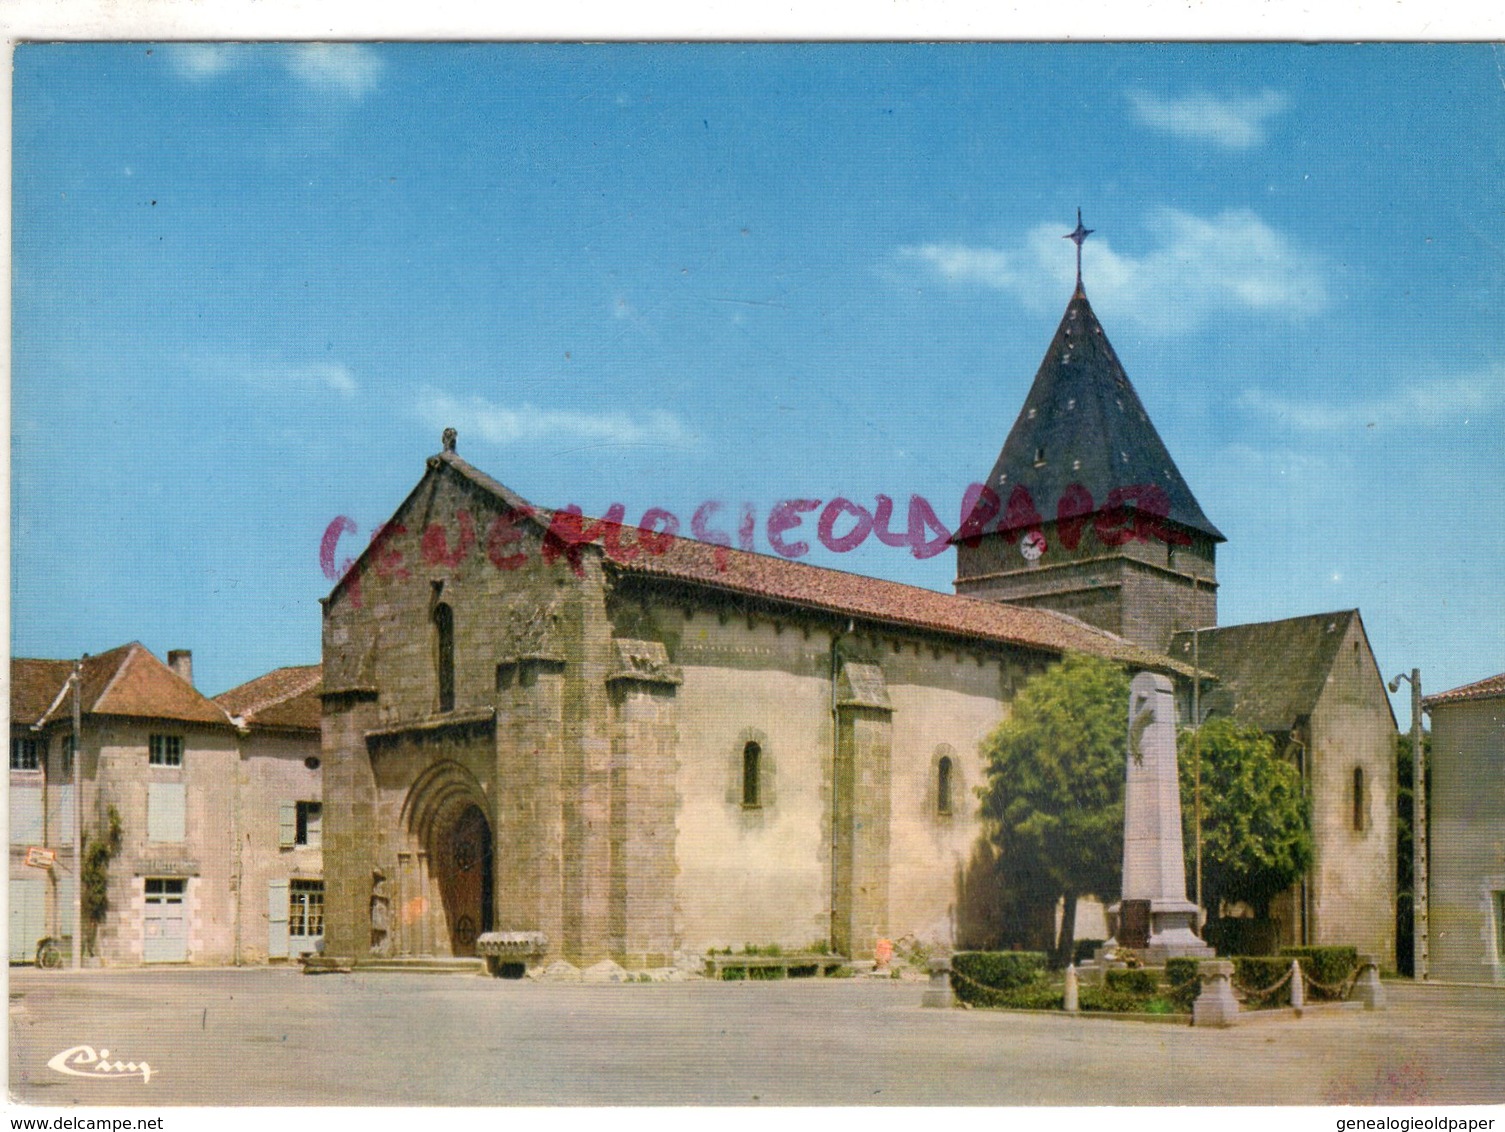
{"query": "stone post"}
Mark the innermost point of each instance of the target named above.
(1073, 1002)
(1215, 1005)
(1298, 987)
(939, 992)
(1368, 989)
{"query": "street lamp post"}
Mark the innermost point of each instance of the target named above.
(78, 817)
(1419, 948)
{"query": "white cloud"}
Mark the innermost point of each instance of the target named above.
(314, 377)
(1446, 402)
(346, 69)
(502, 424)
(1233, 123)
(1196, 267)
(202, 60)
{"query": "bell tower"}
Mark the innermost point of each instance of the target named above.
(1085, 512)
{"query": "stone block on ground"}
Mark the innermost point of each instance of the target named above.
(605, 971)
(556, 972)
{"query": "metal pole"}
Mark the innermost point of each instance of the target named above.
(78, 818)
(1420, 947)
(1196, 748)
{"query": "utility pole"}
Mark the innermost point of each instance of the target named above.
(78, 817)
(1196, 757)
(1420, 947)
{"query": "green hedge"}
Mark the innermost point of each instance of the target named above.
(1038, 996)
(1182, 983)
(1254, 973)
(1108, 1000)
(1133, 981)
(1330, 965)
(984, 978)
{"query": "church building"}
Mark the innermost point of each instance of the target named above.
(643, 746)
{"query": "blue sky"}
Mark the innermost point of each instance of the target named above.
(251, 285)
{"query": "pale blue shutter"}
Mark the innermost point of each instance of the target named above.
(277, 944)
(165, 817)
(287, 824)
(26, 815)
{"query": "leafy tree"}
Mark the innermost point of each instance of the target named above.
(1054, 800)
(99, 849)
(1256, 821)
(1405, 857)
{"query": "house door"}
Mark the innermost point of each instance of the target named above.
(465, 880)
(28, 917)
(165, 926)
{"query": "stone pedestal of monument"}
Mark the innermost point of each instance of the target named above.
(1154, 860)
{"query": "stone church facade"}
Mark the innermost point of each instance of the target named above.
(695, 748)
(642, 746)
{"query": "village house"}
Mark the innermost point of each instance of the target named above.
(198, 796)
(1466, 920)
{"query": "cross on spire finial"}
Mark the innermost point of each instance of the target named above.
(1079, 237)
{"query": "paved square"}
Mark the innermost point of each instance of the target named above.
(267, 1037)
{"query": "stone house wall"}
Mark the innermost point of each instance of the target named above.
(1352, 881)
(1467, 864)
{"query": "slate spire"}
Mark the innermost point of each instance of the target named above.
(1083, 423)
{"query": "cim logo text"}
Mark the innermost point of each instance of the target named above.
(82, 1061)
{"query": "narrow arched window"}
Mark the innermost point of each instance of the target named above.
(444, 626)
(1358, 798)
(943, 786)
(752, 757)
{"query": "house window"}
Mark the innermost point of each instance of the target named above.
(310, 824)
(444, 626)
(752, 757)
(943, 786)
(65, 762)
(300, 823)
(166, 750)
(25, 754)
(1358, 799)
(305, 908)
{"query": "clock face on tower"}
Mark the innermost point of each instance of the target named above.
(1032, 546)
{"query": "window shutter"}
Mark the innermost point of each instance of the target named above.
(26, 816)
(287, 824)
(277, 944)
(165, 818)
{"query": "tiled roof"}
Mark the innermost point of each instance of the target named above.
(283, 698)
(127, 680)
(873, 599)
(1083, 423)
(34, 684)
(1488, 688)
(1270, 672)
(735, 571)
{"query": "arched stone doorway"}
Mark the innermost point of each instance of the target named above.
(446, 877)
